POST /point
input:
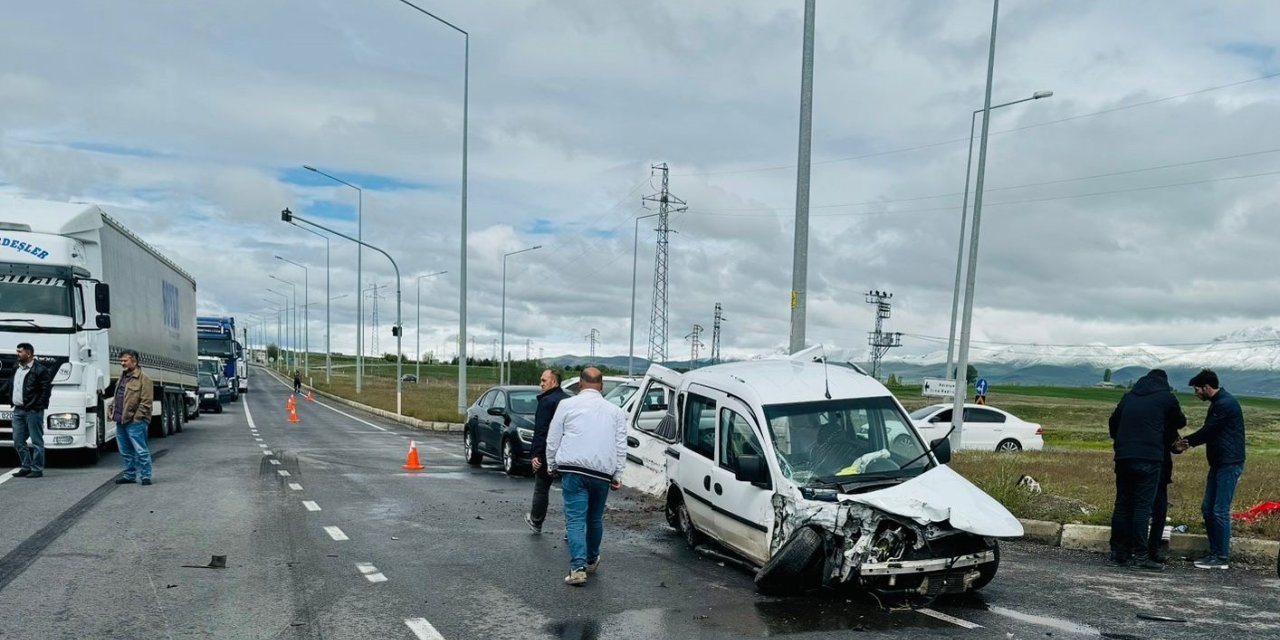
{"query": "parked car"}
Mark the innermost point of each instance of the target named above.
(408, 377)
(570, 385)
(815, 475)
(499, 425)
(986, 428)
(210, 394)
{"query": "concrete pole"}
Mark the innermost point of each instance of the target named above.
(800, 254)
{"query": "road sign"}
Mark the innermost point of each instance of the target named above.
(980, 387)
(938, 387)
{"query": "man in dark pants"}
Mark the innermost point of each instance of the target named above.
(1160, 510)
(548, 400)
(1223, 435)
(1143, 427)
(32, 385)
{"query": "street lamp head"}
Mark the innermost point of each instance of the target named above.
(537, 246)
(308, 167)
(1041, 94)
(286, 215)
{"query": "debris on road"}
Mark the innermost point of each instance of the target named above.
(215, 562)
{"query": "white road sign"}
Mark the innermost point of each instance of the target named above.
(938, 387)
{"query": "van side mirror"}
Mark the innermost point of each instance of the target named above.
(941, 450)
(102, 298)
(752, 469)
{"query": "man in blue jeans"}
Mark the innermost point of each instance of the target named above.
(131, 412)
(587, 446)
(32, 385)
(1223, 437)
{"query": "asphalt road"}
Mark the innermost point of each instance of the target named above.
(327, 537)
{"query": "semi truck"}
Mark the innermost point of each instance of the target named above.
(217, 338)
(81, 288)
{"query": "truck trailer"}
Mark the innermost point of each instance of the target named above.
(80, 287)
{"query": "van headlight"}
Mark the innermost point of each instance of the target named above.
(526, 435)
(63, 422)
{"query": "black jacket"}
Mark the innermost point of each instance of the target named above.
(547, 403)
(1223, 431)
(36, 388)
(1146, 422)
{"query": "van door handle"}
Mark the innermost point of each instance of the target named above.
(719, 489)
(706, 483)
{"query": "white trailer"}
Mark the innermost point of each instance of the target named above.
(80, 287)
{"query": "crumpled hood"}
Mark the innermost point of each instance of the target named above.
(940, 495)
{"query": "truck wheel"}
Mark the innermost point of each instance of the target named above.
(987, 571)
(793, 567)
(159, 424)
(180, 416)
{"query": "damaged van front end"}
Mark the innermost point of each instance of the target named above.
(929, 535)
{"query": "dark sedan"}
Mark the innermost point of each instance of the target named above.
(210, 394)
(500, 426)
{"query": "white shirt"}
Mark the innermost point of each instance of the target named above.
(20, 377)
(588, 435)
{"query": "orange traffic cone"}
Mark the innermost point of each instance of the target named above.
(293, 415)
(309, 398)
(411, 463)
(290, 403)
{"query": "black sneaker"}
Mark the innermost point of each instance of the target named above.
(1148, 565)
(126, 481)
(1159, 557)
(1113, 561)
(1213, 563)
(536, 527)
(35, 474)
(22, 473)
(146, 482)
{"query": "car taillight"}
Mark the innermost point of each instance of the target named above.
(1039, 430)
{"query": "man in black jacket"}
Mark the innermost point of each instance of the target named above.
(1143, 427)
(548, 401)
(1223, 437)
(32, 384)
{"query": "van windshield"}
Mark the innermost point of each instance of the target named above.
(840, 441)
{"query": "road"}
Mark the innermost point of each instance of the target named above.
(326, 537)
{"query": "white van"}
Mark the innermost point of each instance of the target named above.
(815, 474)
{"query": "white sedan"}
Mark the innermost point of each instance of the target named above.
(985, 428)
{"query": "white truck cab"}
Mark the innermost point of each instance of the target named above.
(814, 473)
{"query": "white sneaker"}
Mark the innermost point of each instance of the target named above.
(592, 566)
(576, 578)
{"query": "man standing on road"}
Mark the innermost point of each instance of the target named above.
(32, 383)
(587, 444)
(297, 381)
(131, 412)
(1143, 427)
(1223, 437)
(548, 400)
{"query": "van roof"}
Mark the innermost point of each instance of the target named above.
(785, 381)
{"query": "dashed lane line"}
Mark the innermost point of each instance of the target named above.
(8, 475)
(283, 473)
(311, 505)
(370, 572)
(295, 486)
(266, 452)
(277, 462)
(952, 619)
(336, 533)
(423, 629)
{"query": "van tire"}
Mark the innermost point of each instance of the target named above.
(793, 568)
(692, 536)
(987, 572)
(669, 511)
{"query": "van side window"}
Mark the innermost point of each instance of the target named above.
(736, 439)
(655, 416)
(700, 425)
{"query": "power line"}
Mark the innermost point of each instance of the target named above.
(941, 143)
(1041, 344)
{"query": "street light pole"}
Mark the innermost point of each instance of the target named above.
(328, 327)
(635, 252)
(294, 328)
(359, 239)
(502, 355)
(462, 295)
(288, 216)
(964, 212)
(282, 336)
(417, 347)
(306, 315)
(800, 250)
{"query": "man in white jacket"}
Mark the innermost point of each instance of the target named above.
(587, 446)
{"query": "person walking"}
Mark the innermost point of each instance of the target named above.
(548, 400)
(1223, 437)
(297, 381)
(32, 384)
(587, 446)
(1143, 427)
(131, 412)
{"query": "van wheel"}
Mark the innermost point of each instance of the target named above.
(987, 571)
(1009, 445)
(692, 536)
(671, 510)
(793, 567)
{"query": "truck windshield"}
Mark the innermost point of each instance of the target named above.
(220, 347)
(840, 441)
(34, 294)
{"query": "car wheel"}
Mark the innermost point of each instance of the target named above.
(508, 457)
(219, 409)
(987, 571)
(469, 445)
(1009, 445)
(793, 567)
(692, 536)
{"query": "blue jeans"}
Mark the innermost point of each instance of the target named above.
(1219, 491)
(584, 499)
(29, 424)
(132, 440)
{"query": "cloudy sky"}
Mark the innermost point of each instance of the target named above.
(1138, 204)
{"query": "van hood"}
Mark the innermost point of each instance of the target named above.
(942, 495)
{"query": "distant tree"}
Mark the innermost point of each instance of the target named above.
(1106, 375)
(892, 381)
(971, 376)
(273, 352)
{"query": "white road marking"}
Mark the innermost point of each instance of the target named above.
(952, 619)
(283, 473)
(423, 629)
(249, 417)
(1046, 621)
(336, 410)
(336, 533)
(266, 452)
(310, 505)
(258, 439)
(370, 572)
(262, 446)
(295, 486)
(274, 461)
(8, 474)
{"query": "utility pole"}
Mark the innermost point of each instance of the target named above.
(715, 335)
(494, 349)
(593, 339)
(879, 340)
(695, 343)
(800, 251)
(375, 293)
(667, 203)
(528, 349)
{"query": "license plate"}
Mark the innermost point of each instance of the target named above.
(6, 415)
